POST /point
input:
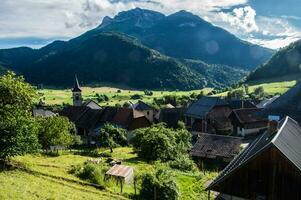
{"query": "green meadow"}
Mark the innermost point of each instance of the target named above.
(116, 95)
(44, 177)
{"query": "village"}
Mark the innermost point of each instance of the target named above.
(256, 145)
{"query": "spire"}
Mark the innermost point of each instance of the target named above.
(76, 87)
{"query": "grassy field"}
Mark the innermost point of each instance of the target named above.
(57, 97)
(48, 178)
(120, 96)
(271, 87)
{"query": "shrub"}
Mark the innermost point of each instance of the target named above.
(183, 163)
(160, 143)
(159, 185)
(89, 172)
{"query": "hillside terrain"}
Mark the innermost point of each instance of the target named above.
(285, 64)
(44, 177)
(119, 59)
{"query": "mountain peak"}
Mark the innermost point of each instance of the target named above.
(138, 12)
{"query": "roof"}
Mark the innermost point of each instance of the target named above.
(203, 106)
(124, 116)
(171, 116)
(42, 113)
(141, 106)
(266, 102)
(120, 171)
(248, 115)
(238, 104)
(73, 113)
(76, 87)
(288, 104)
(92, 104)
(287, 140)
(212, 146)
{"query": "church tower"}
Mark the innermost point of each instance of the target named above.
(77, 93)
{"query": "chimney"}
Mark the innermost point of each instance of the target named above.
(273, 126)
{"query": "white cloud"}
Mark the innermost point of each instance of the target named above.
(69, 18)
(240, 19)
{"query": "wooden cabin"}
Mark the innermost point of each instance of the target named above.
(246, 121)
(209, 115)
(269, 168)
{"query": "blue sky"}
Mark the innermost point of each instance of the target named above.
(34, 23)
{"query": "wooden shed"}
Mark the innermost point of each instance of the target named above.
(121, 172)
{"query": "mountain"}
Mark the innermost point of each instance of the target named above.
(284, 63)
(120, 59)
(186, 36)
(150, 50)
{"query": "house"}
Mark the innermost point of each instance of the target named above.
(209, 115)
(130, 119)
(289, 104)
(146, 109)
(170, 116)
(85, 119)
(247, 121)
(216, 147)
(269, 168)
(121, 172)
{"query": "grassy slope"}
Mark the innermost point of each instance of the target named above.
(55, 96)
(18, 184)
(273, 86)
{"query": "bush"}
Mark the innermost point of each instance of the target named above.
(183, 163)
(160, 143)
(159, 185)
(89, 172)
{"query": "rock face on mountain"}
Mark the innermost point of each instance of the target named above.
(285, 62)
(187, 36)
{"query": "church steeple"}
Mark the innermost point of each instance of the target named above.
(77, 93)
(76, 87)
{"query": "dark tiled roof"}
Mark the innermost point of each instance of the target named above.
(171, 116)
(287, 140)
(203, 106)
(289, 104)
(238, 104)
(124, 116)
(141, 106)
(76, 87)
(90, 119)
(248, 115)
(73, 113)
(212, 146)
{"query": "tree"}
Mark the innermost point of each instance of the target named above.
(111, 136)
(160, 143)
(236, 94)
(259, 92)
(159, 185)
(18, 130)
(56, 131)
